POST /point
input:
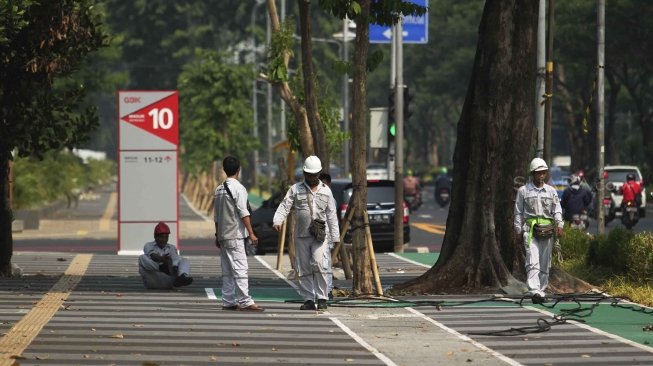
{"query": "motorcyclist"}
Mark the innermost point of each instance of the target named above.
(631, 190)
(575, 199)
(443, 181)
(412, 189)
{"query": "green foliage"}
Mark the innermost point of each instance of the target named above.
(640, 258)
(215, 111)
(329, 113)
(38, 182)
(43, 41)
(612, 250)
(281, 41)
(575, 244)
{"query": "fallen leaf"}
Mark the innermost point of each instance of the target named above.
(450, 353)
(235, 344)
(349, 359)
(585, 356)
(42, 357)
(92, 329)
(274, 349)
(119, 336)
(139, 325)
(87, 356)
(18, 357)
(213, 358)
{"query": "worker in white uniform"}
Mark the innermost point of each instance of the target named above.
(538, 219)
(160, 265)
(326, 179)
(314, 206)
(232, 227)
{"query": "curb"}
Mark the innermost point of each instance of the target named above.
(416, 250)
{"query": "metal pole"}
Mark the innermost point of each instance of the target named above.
(548, 112)
(539, 82)
(393, 84)
(345, 96)
(268, 40)
(399, 144)
(600, 35)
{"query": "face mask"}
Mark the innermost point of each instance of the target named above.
(575, 186)
(312, 182)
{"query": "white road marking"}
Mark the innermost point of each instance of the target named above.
(362, 342)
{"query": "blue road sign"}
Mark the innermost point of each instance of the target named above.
(415, 28)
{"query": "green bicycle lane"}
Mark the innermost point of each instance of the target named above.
(625, 319)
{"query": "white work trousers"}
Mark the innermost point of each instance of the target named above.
(538, 263)
(153, 278)
(233, 260)
(313, 263)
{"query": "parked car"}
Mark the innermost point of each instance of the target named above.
(616, 176)
(380, 208)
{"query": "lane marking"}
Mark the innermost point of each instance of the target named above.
(105, 221)
(21, 335)
(463, 337)
(362, 342)
(279, 274)
(431, 228)
(597, 330)
(408, 260)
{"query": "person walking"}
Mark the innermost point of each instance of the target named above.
(575, 199)
(538, 218)
(232, 227)
(326, 179)
(160, 266)
(315, 210)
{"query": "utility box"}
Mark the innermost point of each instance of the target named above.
(379, 128)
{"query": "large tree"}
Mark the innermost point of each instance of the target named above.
(41, 41)
(495, 134)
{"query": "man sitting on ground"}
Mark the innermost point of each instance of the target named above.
(160, 265)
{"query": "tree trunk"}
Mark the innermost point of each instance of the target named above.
(480, 248)
(6, 240)
(362, 282)
(306, 146)
(310, 99)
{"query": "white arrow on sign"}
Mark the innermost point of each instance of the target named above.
(388, 33)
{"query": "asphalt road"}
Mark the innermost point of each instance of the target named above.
(71, 230)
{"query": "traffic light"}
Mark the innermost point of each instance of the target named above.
(392, 124)
(408, 97)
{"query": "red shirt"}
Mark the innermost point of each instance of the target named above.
(630, 189)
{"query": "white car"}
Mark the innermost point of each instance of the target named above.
(377, 171)
(616, 176)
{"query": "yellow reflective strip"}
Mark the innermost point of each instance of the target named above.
(21, 335)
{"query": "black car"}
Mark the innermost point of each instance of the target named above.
(380, 208)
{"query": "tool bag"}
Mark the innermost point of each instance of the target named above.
(317, 227)
(542, 231)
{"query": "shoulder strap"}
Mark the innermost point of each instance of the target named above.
(226, 187)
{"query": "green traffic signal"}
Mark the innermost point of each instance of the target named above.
(393, 129)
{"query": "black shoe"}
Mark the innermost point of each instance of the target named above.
(308, 305)
(321, 304)
(230, 307)
(183, 280)
(538, 299)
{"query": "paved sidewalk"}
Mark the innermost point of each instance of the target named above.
(85, 309)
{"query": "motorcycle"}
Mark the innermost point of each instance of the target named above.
(442, 196)
(630, 214)
(608, 209)
(580, 221)
(414, 201)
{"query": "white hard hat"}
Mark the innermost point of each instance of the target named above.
(538, 164)
(312, 165)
